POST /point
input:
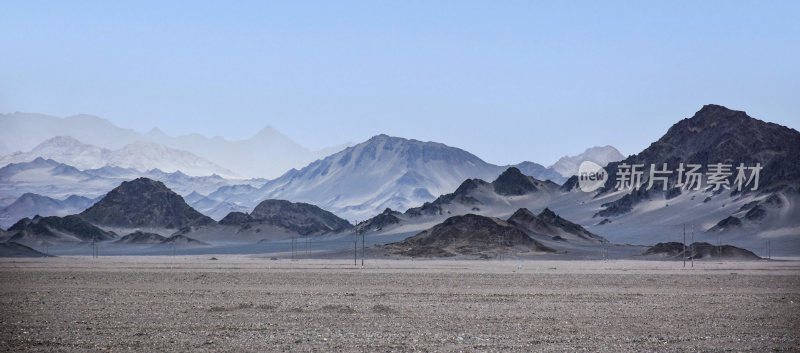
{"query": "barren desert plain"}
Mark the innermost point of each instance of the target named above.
(252, 303)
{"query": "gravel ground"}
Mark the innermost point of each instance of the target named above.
(246, 303)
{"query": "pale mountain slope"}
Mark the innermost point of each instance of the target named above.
(567, 166)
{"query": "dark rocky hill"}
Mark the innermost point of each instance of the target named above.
(56, 229)
(144, 203)
(715, 134)
(302, 218)
(468, 235)
(700, 250)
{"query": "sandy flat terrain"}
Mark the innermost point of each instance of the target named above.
(247, 303)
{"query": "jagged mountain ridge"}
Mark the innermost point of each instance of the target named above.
(474, 195)
(551, 225)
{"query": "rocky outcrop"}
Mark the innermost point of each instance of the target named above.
(385, 219)
(461, 195)
(140, 237)
(236, 218)
(512, 183)
(726, 224)
(549, 224)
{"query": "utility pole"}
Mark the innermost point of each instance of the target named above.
(684, 245)
(604, 252)
(94, 247)
(503, 248)
(363, 249)
(500, 240)
(294, 248)
(355, 246)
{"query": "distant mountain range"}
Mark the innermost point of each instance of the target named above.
(267, 154)
(140, 156)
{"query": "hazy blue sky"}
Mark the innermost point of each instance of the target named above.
(506, 80)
